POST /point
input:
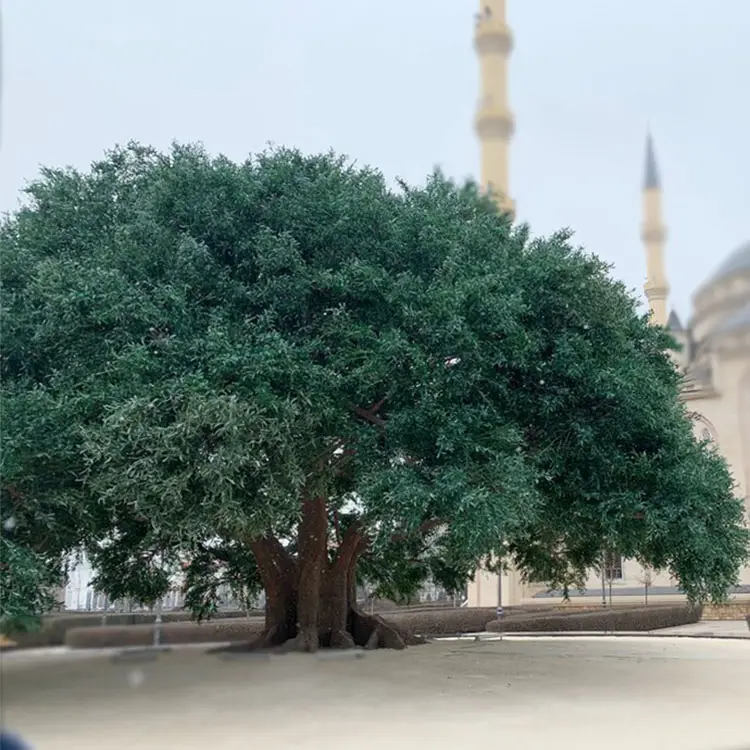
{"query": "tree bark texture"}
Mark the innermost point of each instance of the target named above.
(311, 598)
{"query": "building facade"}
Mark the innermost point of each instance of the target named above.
(715, 343)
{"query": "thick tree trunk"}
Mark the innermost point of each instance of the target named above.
(311, 601)
(338, 592)
(278, 572)
(311, 562)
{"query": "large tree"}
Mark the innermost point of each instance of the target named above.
(288, 372)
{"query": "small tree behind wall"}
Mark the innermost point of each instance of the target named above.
(646, 578)
(611, 569)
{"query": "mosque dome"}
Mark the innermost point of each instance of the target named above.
(721, 306)
(737, 263)
(739, 320)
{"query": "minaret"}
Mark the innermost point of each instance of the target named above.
(493, 42)
(654, 235)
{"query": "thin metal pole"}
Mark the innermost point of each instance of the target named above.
(159, 603)
(157, 624)
(500, 610)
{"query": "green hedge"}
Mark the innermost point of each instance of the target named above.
(604, 620)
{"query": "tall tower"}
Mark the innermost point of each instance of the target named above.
(654, 235)
(494, 123)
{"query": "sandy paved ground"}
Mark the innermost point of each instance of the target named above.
(537, 693)
(718, 628)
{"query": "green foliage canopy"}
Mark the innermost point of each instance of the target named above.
(190, 345)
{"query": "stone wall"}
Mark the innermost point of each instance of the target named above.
(736, 610)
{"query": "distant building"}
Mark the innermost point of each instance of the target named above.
(715, 356)
(80, 594)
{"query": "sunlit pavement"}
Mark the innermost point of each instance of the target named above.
(708, 629)
(717, 628)
(519, 693)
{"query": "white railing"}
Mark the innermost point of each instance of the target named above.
(89, 600)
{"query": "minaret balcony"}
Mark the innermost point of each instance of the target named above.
(656, 290)
(653, 234)
(494, 121)
(492, 36)
(506, 206)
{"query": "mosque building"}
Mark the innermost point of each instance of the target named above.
(715, 342)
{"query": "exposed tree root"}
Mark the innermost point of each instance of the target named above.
(341, 639)
(367, 631)
(307, 641)
(372, 631)
(268, 639)
(311, 595)
(411, 639)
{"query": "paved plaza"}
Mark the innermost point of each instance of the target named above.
(516, 693)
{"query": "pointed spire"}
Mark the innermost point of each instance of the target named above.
(674, 323)
(651, 179)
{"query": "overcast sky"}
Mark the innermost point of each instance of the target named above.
(393, 83)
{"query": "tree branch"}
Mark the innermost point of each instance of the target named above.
(280, 556)
(421, 530)
(270, 553)
(370, 415)
(14, 495)
(351, 545)
(377, 406)
(340, 461)
(337, 526)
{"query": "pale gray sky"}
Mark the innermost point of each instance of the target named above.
(393, 83)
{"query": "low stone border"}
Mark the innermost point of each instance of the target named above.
(735, 609)
(431, 624)
(132, 636)
(55, 626)
(606, 620)
(446, 621)
(428, 618)
(583, 635)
